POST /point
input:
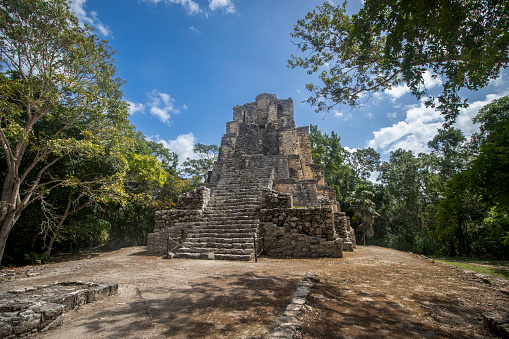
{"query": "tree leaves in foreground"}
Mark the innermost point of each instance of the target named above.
(59, 99)
(391, 42)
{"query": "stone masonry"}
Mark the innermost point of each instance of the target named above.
(264, 190)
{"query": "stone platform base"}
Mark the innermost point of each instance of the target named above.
(34, 309)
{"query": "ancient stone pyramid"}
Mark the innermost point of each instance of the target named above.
(264, 192)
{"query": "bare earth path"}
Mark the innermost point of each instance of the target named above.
(371, 293)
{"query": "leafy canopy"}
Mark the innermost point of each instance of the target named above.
(59, 100)
(390, 42)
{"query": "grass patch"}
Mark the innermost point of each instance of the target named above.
(498, 268)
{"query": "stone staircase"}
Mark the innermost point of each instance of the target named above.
(230, 221)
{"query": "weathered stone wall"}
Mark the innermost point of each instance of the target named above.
(276, 199)
(304, 192)
(295, 232)
(343, 229)
(170, 224)
(196, 199)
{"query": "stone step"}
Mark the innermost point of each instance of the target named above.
(218, 240)
(224, 228)
(239, 257)
(204, 234)
(234, 245)
(219, 250)
(221, 224)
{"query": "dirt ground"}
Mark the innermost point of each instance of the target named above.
(371, 293)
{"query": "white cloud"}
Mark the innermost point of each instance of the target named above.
(134, 107)
(351, 150)
(182, 145)
(162, 105)
(421, 125)
(338, 114)
(194, 29)
(429, 81)
(77, 6)
(464, 120)
(397, 92)
(226, 5)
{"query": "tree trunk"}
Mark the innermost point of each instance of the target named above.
(59, 226)
(51, 241)
(5, 229)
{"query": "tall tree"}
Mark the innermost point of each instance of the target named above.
(490, 170)
(401, 176)
(59, 98)
(391, 42)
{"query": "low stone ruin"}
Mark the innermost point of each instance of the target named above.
(35, 309)
(264, 192)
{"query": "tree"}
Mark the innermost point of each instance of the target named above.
(391, 42)
(363, 162)
(200, 167)
(330, 155)
(59, 99)
(401, 176)
(489, 171)
(361, 202)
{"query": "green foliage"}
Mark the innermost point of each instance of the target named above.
(392, 42)
(329, 154)
(364, 209)
(60, 102)
(199, 168)
(489, 170)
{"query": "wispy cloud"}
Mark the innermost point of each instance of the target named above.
(194, 29)
(193, 8)
(159, 104)
(341, 115)
(162, 105)
(90, 18)
(190, 6)
(225, 5)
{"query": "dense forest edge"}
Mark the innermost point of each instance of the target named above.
(76, 174)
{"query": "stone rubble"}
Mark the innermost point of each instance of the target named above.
(263, 188)
(288, 323)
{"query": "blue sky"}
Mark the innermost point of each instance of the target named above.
(187, 63)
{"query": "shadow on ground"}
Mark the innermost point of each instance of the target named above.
(244, 305)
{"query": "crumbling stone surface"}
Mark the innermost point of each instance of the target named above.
(307, 232)
(34, 309)
(288, 323)
(264, 170)
(196, 199)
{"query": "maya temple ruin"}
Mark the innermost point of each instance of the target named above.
(264, 193)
